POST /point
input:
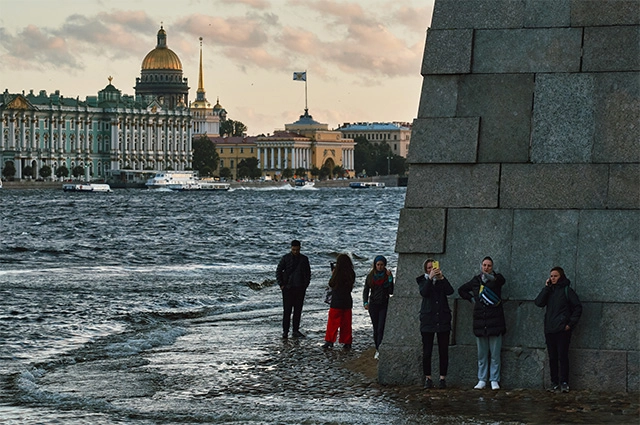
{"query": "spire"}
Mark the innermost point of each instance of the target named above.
(200, 93)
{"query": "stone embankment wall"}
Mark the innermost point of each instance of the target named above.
(526, 148)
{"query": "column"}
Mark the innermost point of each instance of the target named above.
(273, 161)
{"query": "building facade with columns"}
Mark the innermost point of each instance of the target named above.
(104, 133)
(395, 134)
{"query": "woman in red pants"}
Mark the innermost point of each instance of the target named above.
(341, 283)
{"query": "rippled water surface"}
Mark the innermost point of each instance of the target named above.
(142, 306)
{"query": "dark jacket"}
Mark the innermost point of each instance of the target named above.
(377, 294)
(341, 294)
(487, 320)
(293, 272)
(435, 314)
(563, 306)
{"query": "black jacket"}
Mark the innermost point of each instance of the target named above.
(293, 272)
(435, 314)
(341, 295)
(563, 306)
(487, 320)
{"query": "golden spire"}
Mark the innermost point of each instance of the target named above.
(201, 77)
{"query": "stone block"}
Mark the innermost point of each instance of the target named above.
(589, 333)
(462, 326)
(439, 96)
(409, 267)
(421, 230)
(589, 13)
(608, 266)
(571, 186)
(611, 49)
(444, 140)
(522, 367)
(403, 321)
(463, 366)
(441, 186)
(400, 365)
(544, 239)
(503, 102)
(448, 14)
(525, 324)
(619, 326)
(563, 118)
(547, 13)
(633, 371)
(623, 178)
(447, 52)
(527, 50)
(472, 234)
(617, 108)
(598, 369)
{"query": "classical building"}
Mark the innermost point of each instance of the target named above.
(104, 133)
(305, 144)
(206, 118)
(395, 134)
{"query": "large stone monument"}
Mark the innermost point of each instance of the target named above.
(526, 148)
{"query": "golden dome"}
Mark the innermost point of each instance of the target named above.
(162, 57)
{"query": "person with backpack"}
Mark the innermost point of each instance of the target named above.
(563, 310)
(485, 292)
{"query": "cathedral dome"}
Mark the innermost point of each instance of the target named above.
(162, 57)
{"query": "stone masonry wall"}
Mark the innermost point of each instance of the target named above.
(526, 148)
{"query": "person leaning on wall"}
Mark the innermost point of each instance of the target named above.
(485, 292)
(560, 318)
(435, 319)
(378, 286)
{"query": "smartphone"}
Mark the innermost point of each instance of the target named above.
(436, 264)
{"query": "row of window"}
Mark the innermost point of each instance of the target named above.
(375, 136)
(231, 150)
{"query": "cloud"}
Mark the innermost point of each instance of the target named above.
(32, 48)
(256, 4)
(233, 31)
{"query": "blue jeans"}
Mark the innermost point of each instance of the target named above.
(489, 347)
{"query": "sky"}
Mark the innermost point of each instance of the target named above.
(362, 57)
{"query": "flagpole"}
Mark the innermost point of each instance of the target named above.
(305, 90)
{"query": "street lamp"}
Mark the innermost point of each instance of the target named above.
(388, 165)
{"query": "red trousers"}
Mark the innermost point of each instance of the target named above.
(339, 318)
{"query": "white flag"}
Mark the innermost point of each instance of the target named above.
(300, 76)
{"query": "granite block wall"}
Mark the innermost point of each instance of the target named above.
(526, 147)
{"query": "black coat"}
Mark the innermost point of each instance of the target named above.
(341, 295)
(487, 320)
(293, 272)
(563, 306)
(435, 314)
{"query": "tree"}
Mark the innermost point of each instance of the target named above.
(287, 173)
(77, 171)
(244, 172)
(45, 171)
(325, 171)
(205, 155)
(9, 170)
(376, 158)
(315, 172)
(301, 172)
(27, 171)
(232, 128)
(252, 170)
(225, 173)
(62, 171)
(338, 171)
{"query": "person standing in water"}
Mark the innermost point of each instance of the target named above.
(293, 275)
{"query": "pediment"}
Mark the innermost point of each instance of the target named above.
(19, 102)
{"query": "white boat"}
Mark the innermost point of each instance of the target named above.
(214, 185)
(174, 180)
(367, 185)
(86, 187)
(303, 183)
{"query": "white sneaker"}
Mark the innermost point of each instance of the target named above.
(495, 385)
(376, 355)
(480, 385)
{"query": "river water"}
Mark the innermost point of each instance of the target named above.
(153, 307)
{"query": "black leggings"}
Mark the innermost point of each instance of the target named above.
(558, 348)
(443, 352)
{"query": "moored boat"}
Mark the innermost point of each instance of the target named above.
(214, 185)
(86, 187)
(366, 185)
(174, 180)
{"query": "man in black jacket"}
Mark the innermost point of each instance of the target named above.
(293, 275)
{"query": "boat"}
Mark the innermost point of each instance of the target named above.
(214, 185)
(303, 183)
(86, 187)
(174, 180)
(366, 185)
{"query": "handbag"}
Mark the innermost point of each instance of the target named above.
(327, 295)
(488, 297)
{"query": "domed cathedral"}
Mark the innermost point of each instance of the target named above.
(161, 76)
(206, 118)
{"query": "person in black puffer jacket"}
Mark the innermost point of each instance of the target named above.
(560, 318)
(435, 319)
(488, 321)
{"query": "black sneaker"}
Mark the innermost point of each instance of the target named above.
(554, 388)
(285, 335)
(564, 387)
(298, 334)
(347, 346)
(428, 384)
(443, 384)
(327, 345)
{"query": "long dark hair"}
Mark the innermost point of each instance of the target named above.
(343, 274)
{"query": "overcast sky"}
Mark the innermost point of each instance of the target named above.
(362, 57)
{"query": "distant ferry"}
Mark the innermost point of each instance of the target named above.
(367, 185)
(174, 180)
(86, 187)
(208, 184)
